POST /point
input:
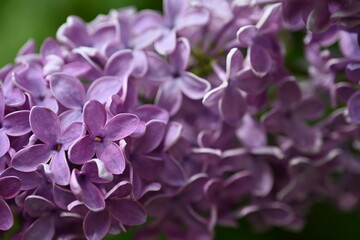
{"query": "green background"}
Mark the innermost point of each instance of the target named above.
(38, 19)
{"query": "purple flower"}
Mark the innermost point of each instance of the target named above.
(101, 137)
(177, 81)
(46, 126)
(290, 114)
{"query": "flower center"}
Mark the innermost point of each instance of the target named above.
(98, 139)
(58, 147)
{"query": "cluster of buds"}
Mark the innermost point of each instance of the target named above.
(182, 121)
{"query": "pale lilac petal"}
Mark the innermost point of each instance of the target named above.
(173, 133)
(180, 57)
(105, 87)
(247, 81)
(120, 64)
(2, 105)
(45, 124)
(9, 187)
(234, 62)
(193, 86)
(214, 95)
(17, 123)
(96, 224)
(173, 8)
(140, 63)
(60, 168)
(128, 212)
(4, 143)
(113, 157)
(192, 17)
(6, 220)
(82, 150)
(166, 43)
(73, 33)
(169, 97)
(67, 89)
(246, 34)
(264, 179)
(251, 133)
(121, 126)
(94, 117)
(50, 47)
(28, 159)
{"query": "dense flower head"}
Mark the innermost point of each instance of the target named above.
(182, 121)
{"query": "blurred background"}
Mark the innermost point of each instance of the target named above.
(21, 20)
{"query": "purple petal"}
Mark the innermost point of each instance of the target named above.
(6, 220)
(73, 33)
(246, 34)
(260, 59)
(2, 105)
(237, 185)
(42, 228)
(82, 150)
(180, 57)
(304, 137)
(193, 86)
(67, 89)
(121, 126)
(9, 187)
(214, 95)
(29, 180)
(251, 134)
(45, 124)
(28, 159)
(344, 91)
(17, 123)
(37, 206)
(120, 64)
(50, 47)
(105, 87)
(234, 62)
(91, 195)
(247, 81)
(120, 190)
(96, 224)
(318, 20)
(70, 134)
(96, 172)
(353, 72)
(273, 121)
(263, 179)
(154, 134)
(278, 214)
(140, 63)
(4, 143)
(173, 133)
(128, 212)
(69, 117)
(289, 94)
(113, 157)
(310, 108)
(60, 168)
(229, 112)
(169, 97)
(353, 108)
(166, 43)
(151, 112)
(94, 117)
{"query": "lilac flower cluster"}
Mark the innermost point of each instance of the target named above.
(182, 121)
